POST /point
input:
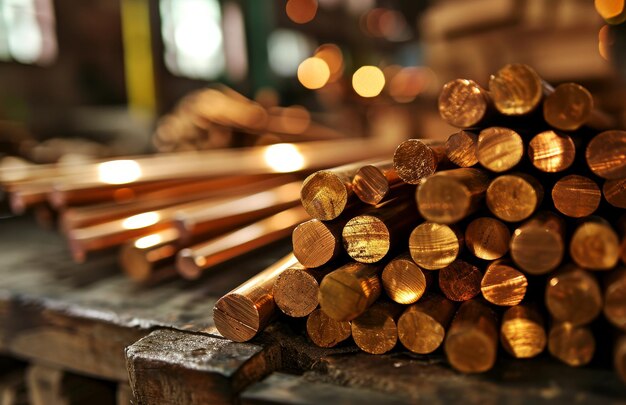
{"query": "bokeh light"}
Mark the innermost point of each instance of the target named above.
(284, 157)
(301, 11)
(119, 171)
(368, 81)
(605, 42)
(331, 54)
(313, 73)
(141, 220)
(613, 11)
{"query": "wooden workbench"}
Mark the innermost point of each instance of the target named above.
(91, 321)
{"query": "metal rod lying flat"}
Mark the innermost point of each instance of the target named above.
(375, 330)
(248, 309)
(516, 89)
(377, 182)
(422, 326)
(615, 192)
(514, 197)
(595, 245)
(415, 159)
(538, 245)
(499, 149)
(471, 343)
(325, 331)
(615, 298)
(576, 196)
(573, 345)
(522, 332)
(316, 243)
(147, 259)
(503, 284)
(551, 152)
(460, 281)
(605, 154)
(570, 107)
(573, 295)
(487, 238)
(348, 291)
(296, 291)
(464, 104)
(191, 262)
(449, 196)
(434, 246)
(461, 148)
(403, 280)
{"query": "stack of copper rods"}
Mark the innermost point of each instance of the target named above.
(180, 213)
(511, 233)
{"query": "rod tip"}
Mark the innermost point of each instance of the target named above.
(236, 317)
(324, 195)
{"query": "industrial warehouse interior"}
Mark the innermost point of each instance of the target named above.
(312, 202)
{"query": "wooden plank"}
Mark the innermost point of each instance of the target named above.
(174, 367)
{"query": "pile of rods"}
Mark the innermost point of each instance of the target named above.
(509, 233)
(179, 213)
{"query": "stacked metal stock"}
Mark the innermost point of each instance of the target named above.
(510, 233)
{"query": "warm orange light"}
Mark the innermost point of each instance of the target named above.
(331, 54)
(613, 11)
(368, 81)
(605, 42)
(119, 171)
(408, 83)
(301, 11)
(313, 73)
(295, 119)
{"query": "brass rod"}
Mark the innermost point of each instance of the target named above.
(514, 197)
(375, 331)
(503, 284)
(615, 298)
(551, 152)
(376, 182)
(149, 259)
(434, 246)
(594, 245)
(316, 243)
(403, 280)
(576, 196)
(615, 192)
(461, 148)
(573, 295)
(325, 331)
(296, 291)
(247, 310)
(487, 238)
(422, 326)
(460, 281)
(464, 104)
(605, 154)
(571, 106)
(522, 332)
(499, 149)
(415, 159)
(537, 245)
(516, 89)
(573, 345)
(619, 357)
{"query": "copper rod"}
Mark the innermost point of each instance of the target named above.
(461, 148)
(434, 246)
(367, 238)
(403, 280)
(297, 289)
(570, 107)
(537, 245)
(218, 189)
(422, 326)
(375, 331)
(203, 218)
(375, 182)
(619, 357)
(503, 284)
(247, 310)
(576, 196)
(191, 262)
(325, 194)
(146, 259)
(516, 89)
(415, 159)
(605, 154)
(573, 345)
(551, 152)
(463, 103)
(451, 195)
(25, 196)
(348, 291)
(487, 238)
(573, 295)
(316, 243)
(325, 331)
(499, 149)
(471, 344)
(615, 298)
(460, 281)
(595, 245)
(514, 197)
(615, 192)
(522, 332)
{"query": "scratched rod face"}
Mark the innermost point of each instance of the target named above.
(461, 148)
(573, 345)
(576, 196)
(522, 332)
(605, 154)
(191, 262)
(573, 295)
(464, 104)
(460, 281)
(514, 197)
(434, 246)
(325, 331)
(538, 245)
(487, 238)
(316, 243)
(499, 149)
(375, 331)
(375, 182)
(570, 107)
(517, 89)
(296, 291)
(403, 280)
(594, 245)
(247, 310)
(551, 152)
(503, 284)
(422, 326)
(614, 192)
(415, 159)
(471, 344)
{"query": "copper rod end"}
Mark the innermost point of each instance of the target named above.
(522, 333)
(324, 195)
(461, 148)
(413, 160)
(366, 239)
(568, 107)
(605, 154)
(236, 317)
(576, 196)
(463, 103)
(434, 246)
(615, 192)
(551, 152)
(487, 238)
(296, 292)
(370, 184)
(460, 281)
(595, 246)
(187, 264)
(537, 246)
(499, 149)
(516, 89)
(573, 295)
(403, 280)
(375, 331)
(615, 299)
(620, 358)
(573, 345)
(325, 331)
(315, 243)
(503, 284)
(422, 326)
(514, 197)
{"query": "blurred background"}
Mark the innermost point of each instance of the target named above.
(101, 78)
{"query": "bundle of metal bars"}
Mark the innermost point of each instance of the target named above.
(179, 213)
(511, 232)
